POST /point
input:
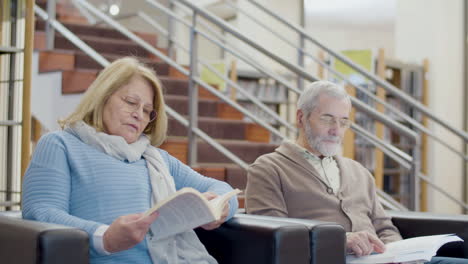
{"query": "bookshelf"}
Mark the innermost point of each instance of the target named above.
(268, 91)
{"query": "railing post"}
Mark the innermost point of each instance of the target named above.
(414, 181)
(193, 95)
(301, 46)
(170, 32)
(50, 31)
(223, 40)
(300, 61)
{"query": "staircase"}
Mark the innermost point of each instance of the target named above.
(217, 119)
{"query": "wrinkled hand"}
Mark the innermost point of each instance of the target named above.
(127, 231)
(363, 243)
(224, 215)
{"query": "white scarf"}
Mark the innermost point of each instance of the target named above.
(181, 248)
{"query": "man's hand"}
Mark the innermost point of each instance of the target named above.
(216, 224)
(127, 231)
(363, 243)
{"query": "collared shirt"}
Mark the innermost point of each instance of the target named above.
(326, 167)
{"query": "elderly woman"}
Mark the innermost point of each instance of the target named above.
(104, 170)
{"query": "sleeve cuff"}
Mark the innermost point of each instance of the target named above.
(98, 239)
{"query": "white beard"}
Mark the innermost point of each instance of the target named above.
(319, 143)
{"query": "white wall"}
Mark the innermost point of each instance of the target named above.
(350, 37)
(344, 24)
(290, 10)
(48, 104)
(433, 29)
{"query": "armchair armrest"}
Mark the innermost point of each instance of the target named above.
(413, 224)
(264, 239)
(32, 242)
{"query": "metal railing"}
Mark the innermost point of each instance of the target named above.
(410, 164)
(415, 175)
(421, 109)
(412, 136)
(192, 127)
(103, 62)
(372, 112)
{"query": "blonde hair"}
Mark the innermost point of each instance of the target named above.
(112, 78)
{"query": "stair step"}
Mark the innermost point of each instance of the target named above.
(223, 129)
(180, 86)
(179, 103)
(99, 31)
(230, 173)
(206, 107)
(79, 71)
(77, 81)
(84, 61)
(245, 150)
(65, 12)
(56, 60)
(105, 45)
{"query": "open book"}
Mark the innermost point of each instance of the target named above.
(417, 250)
(185, 210)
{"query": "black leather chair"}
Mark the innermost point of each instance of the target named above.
(413, 224)
(243, 239)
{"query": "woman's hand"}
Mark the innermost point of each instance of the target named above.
(224, 215)
(127, 231)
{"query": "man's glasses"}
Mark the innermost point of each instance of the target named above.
(329, 120)
(132, 104)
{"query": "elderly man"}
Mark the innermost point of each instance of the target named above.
(309, 179)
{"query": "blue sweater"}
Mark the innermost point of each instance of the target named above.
(71, 183)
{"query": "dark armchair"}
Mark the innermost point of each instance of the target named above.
(413, 224)
(243, 239)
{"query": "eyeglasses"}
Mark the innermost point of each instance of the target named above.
(132, 104)
(329, 120)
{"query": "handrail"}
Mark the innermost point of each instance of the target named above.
(179, 68)
(219, 42)
(392, 90)
(238, 54)
(10, 123)
(376, 115)
(402, 129)
(71, 37)
(404, 160)
(103, 62)
(228, 81)
(228, 28)
(387, 106)
(448, 195)
(390, 202)
(386, 85)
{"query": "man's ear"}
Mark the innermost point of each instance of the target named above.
(299, 116)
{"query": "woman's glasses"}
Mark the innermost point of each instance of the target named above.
(132, 104)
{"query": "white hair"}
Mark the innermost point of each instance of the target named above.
(308, 99)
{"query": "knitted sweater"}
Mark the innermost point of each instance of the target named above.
(71, 183)
(285, 184)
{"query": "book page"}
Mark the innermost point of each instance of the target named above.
(218, 203)
(428, 244)
(408, 250)
(182, 213)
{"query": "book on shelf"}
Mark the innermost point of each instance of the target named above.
(411, 250)
(186, 209)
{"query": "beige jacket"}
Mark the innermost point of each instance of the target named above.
(284, 184)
